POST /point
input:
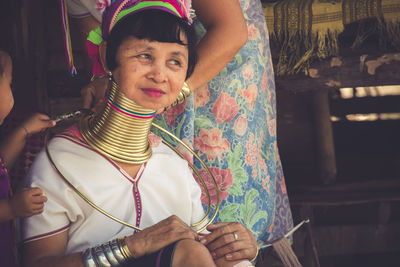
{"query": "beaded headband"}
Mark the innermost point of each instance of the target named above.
(115, 11)
(119, 10)
(123, 8)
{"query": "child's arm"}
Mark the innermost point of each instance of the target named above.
(6, 212)
(24, 203)
(11, 146)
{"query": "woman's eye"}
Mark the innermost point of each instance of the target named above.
(175, 62)
(144, 56)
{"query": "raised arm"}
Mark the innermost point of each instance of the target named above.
(226, 34)
(11, 146)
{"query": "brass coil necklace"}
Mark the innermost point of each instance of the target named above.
(120, 132)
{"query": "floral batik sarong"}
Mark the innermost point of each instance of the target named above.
(231, 123)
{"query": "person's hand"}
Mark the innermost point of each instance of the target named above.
(37, 123)
(27, 202)
(160, 235)
(93, 94)
(232, 241)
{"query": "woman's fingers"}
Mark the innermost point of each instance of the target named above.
(87, 93)
(242, 249)
(230, 240)
(237, 255)
(179, 229)
(222, 231)
(159, 235)
(93, 94)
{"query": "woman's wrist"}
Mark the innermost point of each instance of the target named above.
(134, 247)
(113, 253)
(126, 252)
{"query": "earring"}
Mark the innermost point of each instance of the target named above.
(110, 75)
(183, 94)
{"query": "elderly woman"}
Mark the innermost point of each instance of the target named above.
(231, 120)
(107, 158)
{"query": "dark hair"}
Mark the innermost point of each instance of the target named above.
(153, 25)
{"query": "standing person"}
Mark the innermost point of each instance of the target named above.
(28, 201)
(231, 120)
(234, 129)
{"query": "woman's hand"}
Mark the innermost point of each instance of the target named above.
(93, 94)
(160, 235)
(232, 241)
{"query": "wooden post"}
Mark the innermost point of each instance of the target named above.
(326, 161)
(38, 50)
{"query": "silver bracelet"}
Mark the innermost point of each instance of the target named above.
(100, 257)
(109, 254)
(117, 251)
(87, 258)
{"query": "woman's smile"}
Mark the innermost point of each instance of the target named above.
(153, 92)
(151, 73)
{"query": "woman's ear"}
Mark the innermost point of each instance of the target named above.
(102, 53)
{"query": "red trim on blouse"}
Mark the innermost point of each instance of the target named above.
(47, 234)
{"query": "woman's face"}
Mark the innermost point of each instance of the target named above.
(6, 96)
(151, 73)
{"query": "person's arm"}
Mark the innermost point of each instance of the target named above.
(24, 203)
(226, 34)
(49, 252)
(6, 213)
(12, 145)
